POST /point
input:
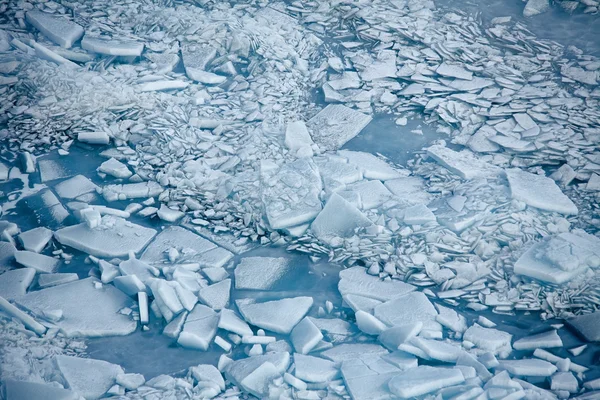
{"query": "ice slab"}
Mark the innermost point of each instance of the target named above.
(539, 191)
(305, 336)
(56, 28)
(408, 191)
(356, 281)
(542, 340)
(199, 329)
(87, 311)
(418, 214)
(196, 59)
(297, 137)
(21, 390)
(338, 218)
(15, 282)
(528, 367)
(564, 381)
(558, 259)
(371, 166)
(353, 351)
(113, 47)
(397, 335)
(243, 372)
(48, 280)
(189, 245)
(464, 163)
(261, 273)
(131, 191)
(368, 380)
(39, 262)
(372, 193)
(232, 323)
(115, 168)
(535, 7)
(35, 239)
(115, 237)
(216, 295)
(410, 308)
(337, 170)
(588, 326)
(279, 316)
(87, 377)
(454, 71)
(424, 379)
(335, 125)
(489, 339)
(314, 369)
(7, 255)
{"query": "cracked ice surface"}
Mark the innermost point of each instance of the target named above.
(299, 200)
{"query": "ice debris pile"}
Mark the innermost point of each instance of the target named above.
(206, 142)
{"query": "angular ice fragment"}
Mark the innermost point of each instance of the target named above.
(371, 166)
(408, 191)
(115, 237)
(115, 168)
(335, 125)
(338, 218)
(232, 323)
(48, 280)
(395, 336)
(113, 47)
(278, 316)
(87, 377)
(314, 369)
(216, 296)
(305, 336)
(413, 307)
(39, 262)
(261, 273)
(58, 29)
(528, 367)
(15, 282)
(199, 329)
(424, 379)
(356, 281)
(297, 137)
(464, 163)
(238, 371)
(542, 340)
(35, 239)
(492, 340)
(535, 7)
(418, 214)
(539, 191)
(98, 137)
(588, 326)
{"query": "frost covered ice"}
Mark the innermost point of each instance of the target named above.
(299, 200)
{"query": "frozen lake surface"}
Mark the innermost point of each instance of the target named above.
(392, 199)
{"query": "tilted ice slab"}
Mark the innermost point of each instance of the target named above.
(35, 239)
(335, 125)
(113, 47)
(261, 273)
(424, 379)
(279, 316)
(199, 329)
(338, 218)
(587, 326)
(408, 191)
(539, 191)
(407, 309)
(371, 166)
(464, 163)
(542, 340)
(87, 311)
(58, 29)
(15, 282)
(88, 377)
(355, 280)
(251, 375)
(559, 259)
(115, 237)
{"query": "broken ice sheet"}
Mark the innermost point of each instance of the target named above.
(335, 125)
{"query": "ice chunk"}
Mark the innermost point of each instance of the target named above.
(454, 71)
(168, 214)
(56, 28)
(98, 137)
(131, 191)
(418, 215)
(542, 340)
(20, 390)
(338, 218)
(314, 369)
(115, 237)
(130, 381)
(372, 193)
(261, 273)
(371, 166)
(336, 170)
(75, 187)
(424, 379)
(130, 285)
(232, 323)
(113, 47)
(279, 316)
(335, 125)
(35, 239)
(87, 311)
(383, 67)
(297, 137)
(15, 282)
(208, 373)
(196, 59)
(438, 350)
(464, 163)
(588, 326)
(174, 328)
(539, 191)
(356, 281)
(7, 254)
(368, 379)
(87, 377)
(528, 367)
(143, 271)
(115, 168)
(216, 296)
(413, 307)
(451, 319)
(190, 245)
(238, 371)
(39, 262)
(535, 7)
(305, 336)
(48, 280)
(368, 324)
(493, 340)
(395, 336)
(199, 329)
(564, 381)
(408, 191)
(559, 259)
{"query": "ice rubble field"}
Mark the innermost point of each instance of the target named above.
(387, 199)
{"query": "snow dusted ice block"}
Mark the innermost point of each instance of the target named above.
(19, 390)
(14, 283)
(243, 372)
(131, 191)
(113, 47)
(372, 193)
(314, 369)
(528, 367)
(463, 163)
(559, 259)
(216, 295)
(424, 379)
(407, 309)
(370, 166)
(115, 237)
(338, 218)
(368, 379)
(356, 281)
(408, 191)
(88, 377)
(305, 336)
(278, 316)
(87, 311)
(199, 329)
(290, 194)
(39, 262)
(35, 239)
(196, 59)
(539, 191)
(335, 125)
(261, 273)
(588, 326)
(58, 29)
(489, 339)
(542, 340)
